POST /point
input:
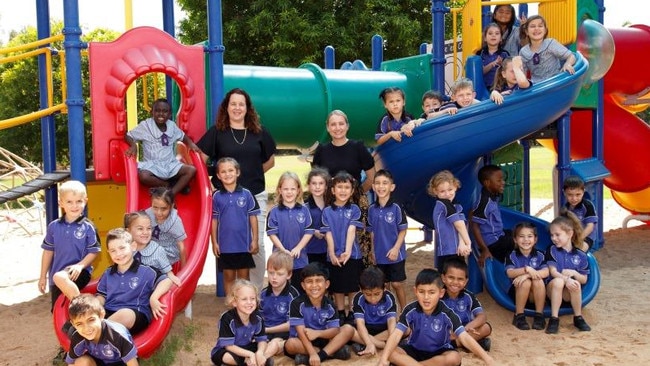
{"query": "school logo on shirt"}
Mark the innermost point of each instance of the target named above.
(436, 326)
(461, 306)
(381, 310)
(134, 282)
(80, 232)
(300, 217)
(575, 259)
(108, 352)
(534, 262)
(390, 217)
(347, 213)
(241, 202)
(282, 307)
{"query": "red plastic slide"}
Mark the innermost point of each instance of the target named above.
(627, 137)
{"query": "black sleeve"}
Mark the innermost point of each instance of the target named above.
(366, 161)
(207, 143)
(268, 145)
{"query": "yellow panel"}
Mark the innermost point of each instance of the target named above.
(106, 206)
(634, 201)
(472, 28)
(561, 19)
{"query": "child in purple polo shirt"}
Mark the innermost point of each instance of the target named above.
(451, 236)
(574, 193)
(289, 224)
(387, 226)
(95, 340)
(317, 184)
(70, 245)
(234, 225)
(128, 290)
(431, 323)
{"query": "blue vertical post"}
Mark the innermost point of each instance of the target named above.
(563, 152)
(598, 143)
(523, 9)
(48, 130)
(74, 99)
(169, 27)
(423, 48)
(438, 11)
(215, 49)
(377, 52)
(526, 168)
(330, 57)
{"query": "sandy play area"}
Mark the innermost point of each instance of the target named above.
(618, 315)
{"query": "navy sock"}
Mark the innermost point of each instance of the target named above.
(322, 355)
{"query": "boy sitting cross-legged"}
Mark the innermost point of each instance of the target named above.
(315, 333)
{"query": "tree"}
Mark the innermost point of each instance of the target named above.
(289, 33)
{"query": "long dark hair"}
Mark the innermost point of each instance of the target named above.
(511, 23)
(251, 120)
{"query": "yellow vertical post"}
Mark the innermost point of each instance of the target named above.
(561, 20)
(131, 96)
(472, 28)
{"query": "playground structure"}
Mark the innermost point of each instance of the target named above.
(310, 92)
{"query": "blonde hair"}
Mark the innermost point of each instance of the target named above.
(460, 84)
(73, 186)
(118, 234)
(442, 176)
(238, 285)
(284, 177)
(569, 221)
(337, 112)
(280, 260)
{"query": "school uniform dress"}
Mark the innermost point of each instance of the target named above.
(158, 148)
(517, 260)
(233, 210)
(445, 214)
(387, 124)
(275, 308)
(304, 313)
(290, 225)
(465, 305)
(168, 233)
(487, 215)
(487, 58)
(337, 220)
(376, 315)
(153, 255)
(316, 248)
(586, 213)
(130, 289)
(115, 345)
(545, 63)
(386, 222)
(559, 258)
(233, 332)
(429, 333)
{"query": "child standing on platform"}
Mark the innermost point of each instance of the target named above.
(451, 236)
(574, 193)
(387, 225)
(168, 229)
(275, 299)
(340, 221)
(289, 224)
(568, 270)
(491, 53)
(159, 135)
(234, 225)
(317, 180)
(149, 253)
(242, 340)
(528, 271)
(544, 57)
(396, 120)
(70, 245)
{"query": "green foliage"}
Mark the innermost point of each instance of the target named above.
(289, 33)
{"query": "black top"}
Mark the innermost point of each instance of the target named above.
(352, 157)
(251, 150)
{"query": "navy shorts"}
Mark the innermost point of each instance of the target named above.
(345, 279)
(235, 261)
(501, 248)
(141, 321)
(217, 356)
(374, 329)
(81, 282)
(420, 355)
(394, 272)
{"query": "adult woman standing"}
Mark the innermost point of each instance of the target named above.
(351, 156)
(238, 134)
(504, 16)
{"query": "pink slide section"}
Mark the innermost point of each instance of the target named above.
(113, 67)
(627, 137)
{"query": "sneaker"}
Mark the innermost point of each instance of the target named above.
(539, 322)
(485, 343)
(301, 359)
(357, 347)
(520, 322)
(581, 324)
(269, 362)
(342, 354)
(553, 325)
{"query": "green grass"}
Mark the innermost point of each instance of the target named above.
(166, 355)
(542, 161)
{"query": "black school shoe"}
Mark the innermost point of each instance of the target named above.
(485, 343)
(539, 322)
(301, 359)
(269, 362)
(341, 354)
(553, 325)
(581, 324)
(520, 322)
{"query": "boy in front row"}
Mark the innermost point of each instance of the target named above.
(275, 299)
(429, 323)
(95, 340)
(315, 333)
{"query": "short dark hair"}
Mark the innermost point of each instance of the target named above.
(573, 182)
(455, 263)
(486, 172)
(428, 276)
(85, 304)
(371, 277)
(433, 94)
(385, 173)
(314, 269)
